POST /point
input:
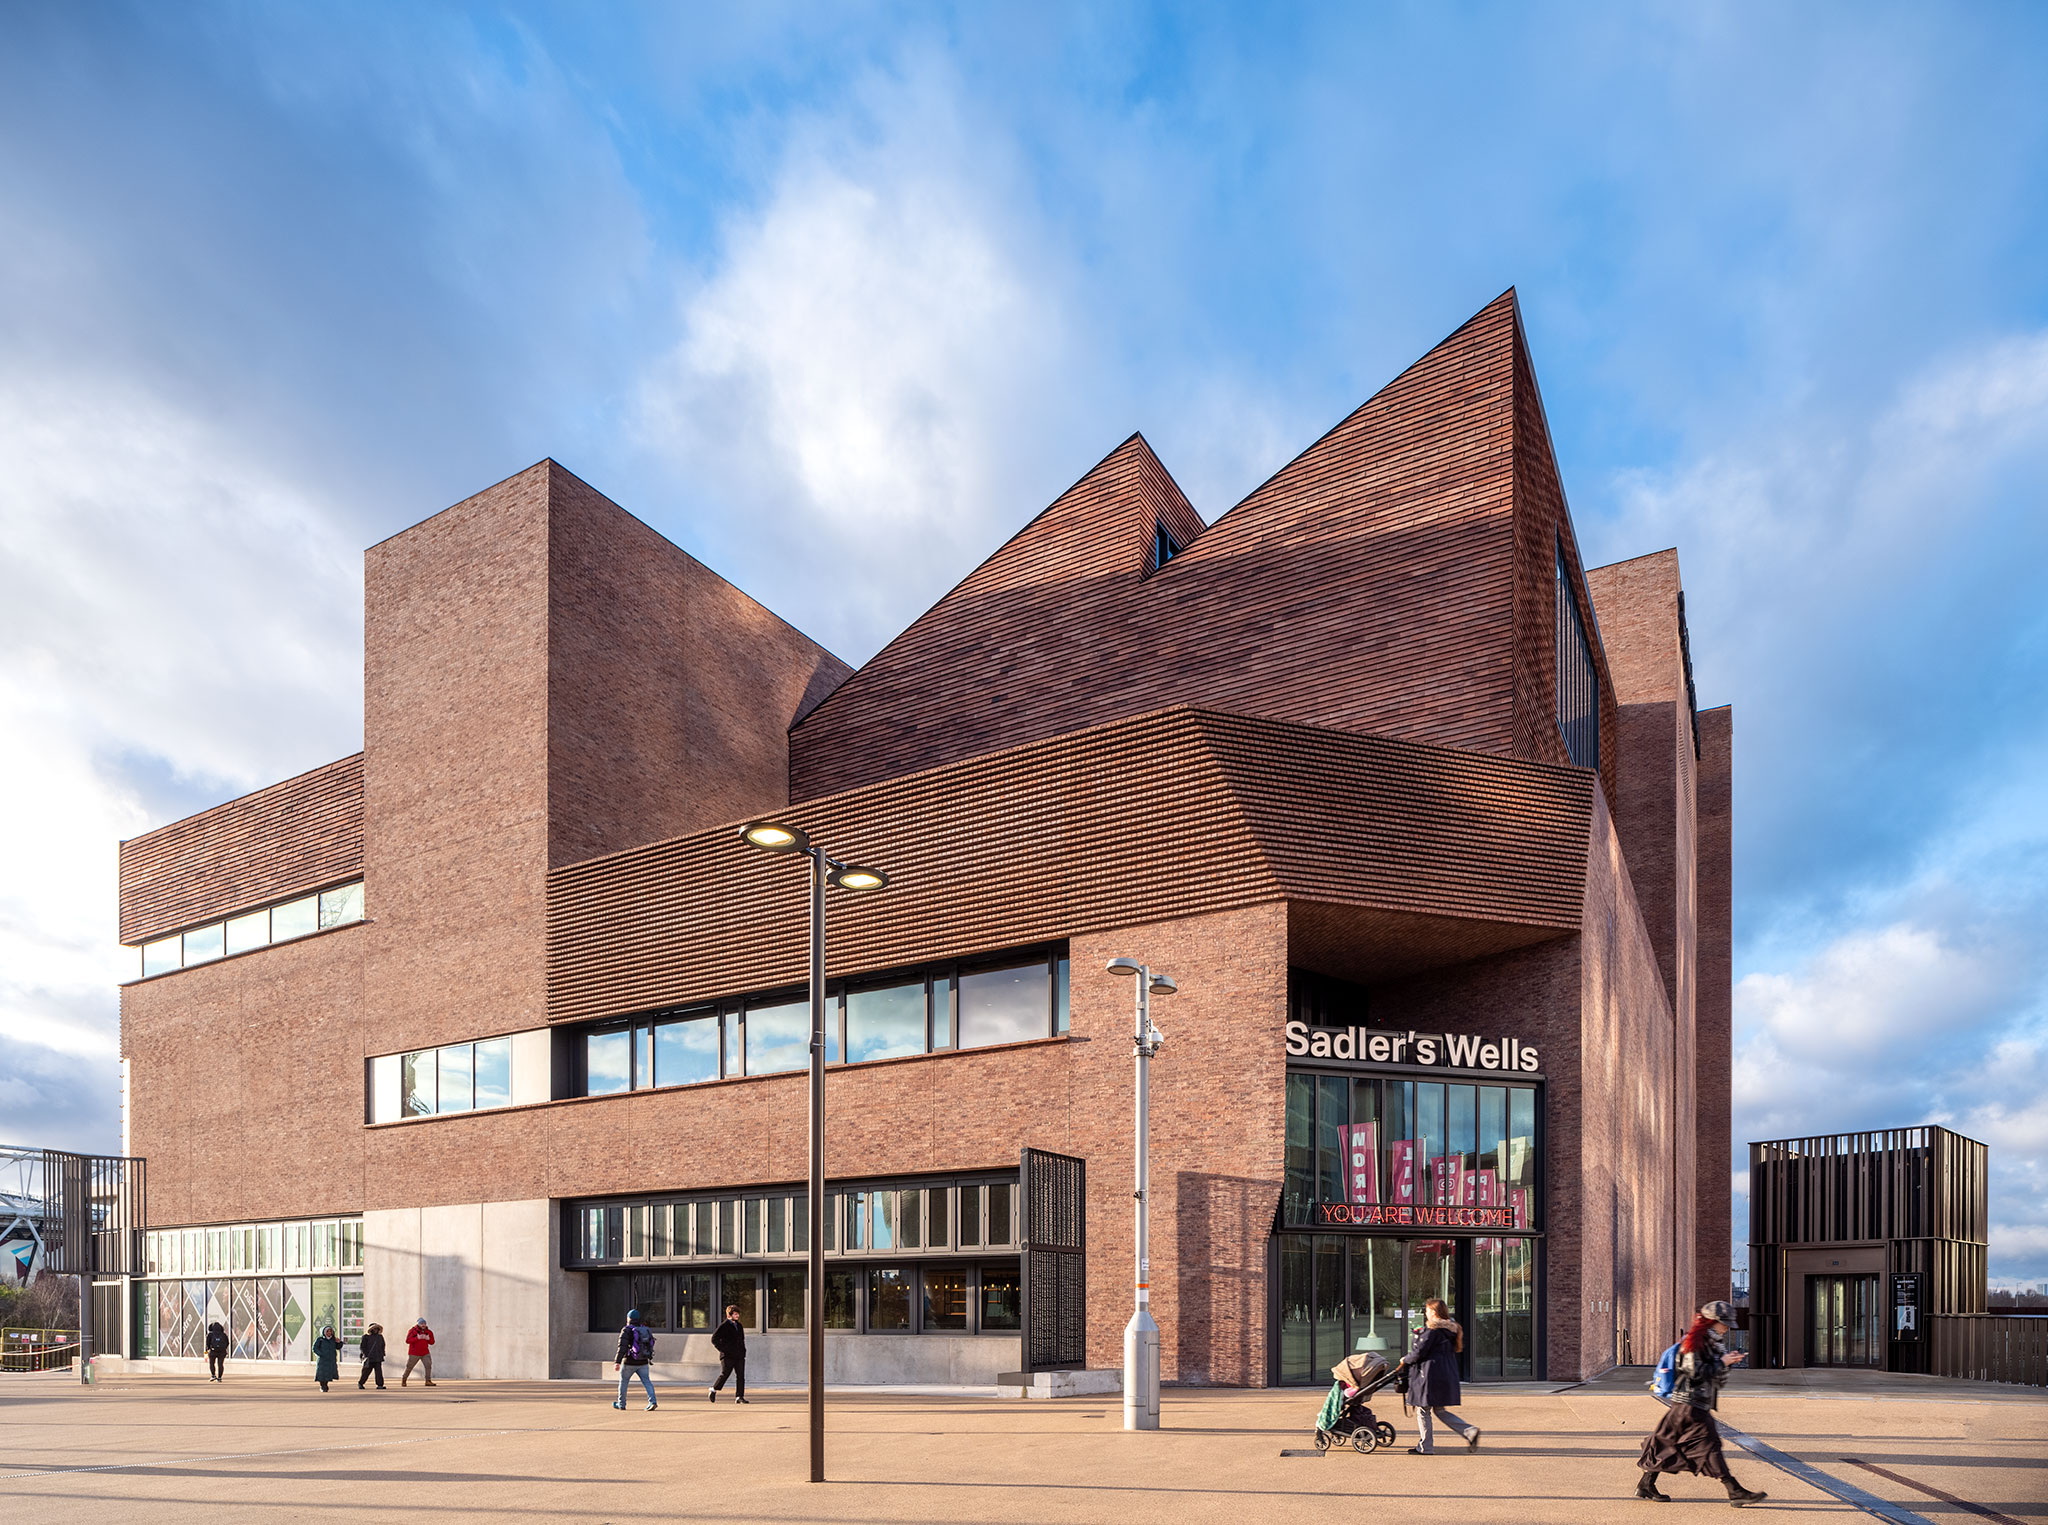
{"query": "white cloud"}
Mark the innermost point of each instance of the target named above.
(150, 661)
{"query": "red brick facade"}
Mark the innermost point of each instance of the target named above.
(1322, 739)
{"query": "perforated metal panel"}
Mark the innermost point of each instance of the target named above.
(1055, 1260)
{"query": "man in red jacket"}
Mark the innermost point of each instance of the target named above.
(419, 1351)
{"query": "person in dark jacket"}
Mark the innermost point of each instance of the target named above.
(1687, 1439)
(730, 1341)
(372, 1350)
(1433, 1378)
(216, 1352)
(326, 1358)
(635, 1356)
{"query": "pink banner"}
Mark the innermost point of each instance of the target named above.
(1401, 1170)
(1487, 1183)
(1361, 1162)
(1447, 1178)
(1518, 1204)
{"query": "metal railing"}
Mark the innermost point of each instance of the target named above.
(38, 1349)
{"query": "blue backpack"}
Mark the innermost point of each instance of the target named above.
(639, 1343)
(1666, 1379)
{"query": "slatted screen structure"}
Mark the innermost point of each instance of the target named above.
(93, 1213)
(1923, 1192)
(1578, 680)
(1055, 1261)
(1990, 1347)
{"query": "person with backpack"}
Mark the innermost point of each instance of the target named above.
(635, 1355)
(1433, 1378)
(372, 1352)
(216, 1352)
(1687, 1439)
(730, 1341)
(419, 1351)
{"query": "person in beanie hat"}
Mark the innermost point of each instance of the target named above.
(1687, 1439)
(636, 1354)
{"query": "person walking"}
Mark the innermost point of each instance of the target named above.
(216, 1352)
(1687, 1439)
(730, 1341)
(1433, 1390)
(635, 1355)
(372, 1350)
(419, 1351)
(326, 1358)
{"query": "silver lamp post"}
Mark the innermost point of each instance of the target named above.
(1141, 1335)
(772, 836)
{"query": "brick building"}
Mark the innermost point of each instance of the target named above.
(498, 1021)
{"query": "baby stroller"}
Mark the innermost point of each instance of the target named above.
(1350, 1421)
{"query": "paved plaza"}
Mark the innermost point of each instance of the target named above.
(168, 1449)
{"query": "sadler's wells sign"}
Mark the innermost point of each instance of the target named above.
(1453, 1050)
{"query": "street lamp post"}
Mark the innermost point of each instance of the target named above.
(1141, 1335)
(771, 836)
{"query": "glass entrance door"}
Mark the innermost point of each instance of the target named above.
(1843, 1322)
(1346, 1293)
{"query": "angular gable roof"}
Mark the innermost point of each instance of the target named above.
(1371, 584)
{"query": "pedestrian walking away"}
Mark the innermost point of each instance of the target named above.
(419, 1351)
(372, 1350)
(1687, 1439)
(216, 1352)
(326, 1358)
(635, 1355)
(1433, 1391)
(730, 1341)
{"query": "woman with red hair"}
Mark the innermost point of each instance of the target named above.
(1687, 1439)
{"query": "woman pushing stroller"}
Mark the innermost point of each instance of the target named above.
(1432, 1364)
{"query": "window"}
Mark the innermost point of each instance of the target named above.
(910, 1219)
(494, 1073)
(885, 1220)
(338, 907)
(1005, 1005)
(785, 1299)
(607, 1062)
(750, 1226)
(650, 1296)
(693, 1303)
(593, 1234)
(742, 1290)
(636, 1232)
(885, 1023)
(1000, 1229)
(203, 945)
(1578, 679)
(458, 1078)
(970, 1215)
(418, 1090)
(778, 1038)
(842, 1298)
(856, 1220)
(778, 1213)
(686, 1051)
(162, 956)
(1001, 1298)
(251, 931)
(1164, 546)
(888, 1298)
(945, 1298)
(295, 918)
(939, 1236)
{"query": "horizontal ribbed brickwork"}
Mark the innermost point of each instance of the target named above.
(298, 835)
(1166, 815)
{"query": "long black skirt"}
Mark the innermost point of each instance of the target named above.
(1685, 1440)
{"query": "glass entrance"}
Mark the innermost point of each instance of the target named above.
(1345, 1293)
(1843, 1327)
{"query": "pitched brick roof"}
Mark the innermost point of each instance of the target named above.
(1373, 584)
(302, 834)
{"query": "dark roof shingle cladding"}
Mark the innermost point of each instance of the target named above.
(1395, 578)
(1164, 815)
(301, 834)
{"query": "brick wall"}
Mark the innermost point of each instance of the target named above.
(1715, 1020)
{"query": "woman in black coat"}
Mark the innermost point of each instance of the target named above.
(372, 1351)
(1433, 1378)
(1687, 1439)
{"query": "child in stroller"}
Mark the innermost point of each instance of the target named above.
(1346, 1419)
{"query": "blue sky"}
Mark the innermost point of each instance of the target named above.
(837, 302)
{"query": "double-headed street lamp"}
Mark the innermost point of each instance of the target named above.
(772, 836)
(1141, 1335)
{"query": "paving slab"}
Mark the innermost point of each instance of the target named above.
(263, 1448)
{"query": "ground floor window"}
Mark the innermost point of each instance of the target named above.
(957, 1297)
(1345, 1293)
(267, 1318)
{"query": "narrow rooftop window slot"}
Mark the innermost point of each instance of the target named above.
(1164, 546)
